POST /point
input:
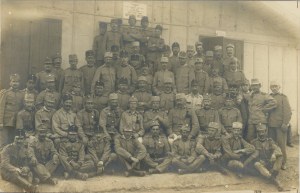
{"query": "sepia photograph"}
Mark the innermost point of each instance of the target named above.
(183, 96)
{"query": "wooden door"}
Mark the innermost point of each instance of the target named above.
(25, 45)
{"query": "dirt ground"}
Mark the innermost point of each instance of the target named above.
(171, 182)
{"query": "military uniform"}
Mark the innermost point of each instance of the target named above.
(173, 63)
(129, 35)
(205, 116)
(77, 102)
(113, 38)
(99, 47)
(196, 100)
(203, 79)
(107, 75)
(88, 121)
(220, 80)
(71, 77)
(234, 78)
(151, 114)
(228, 116)
(137, 61)
(100, 102)
(41, 98)
(129, 73)
(167, 100)
(132, 120)
(25, 120)
(88, 74)
(159, 80)
(43, 119)
(142, 96)
(219, 64)
(110, 119)
(154, 53)
(183, 78)
(123, 100)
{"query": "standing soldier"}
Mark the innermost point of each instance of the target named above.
(123, 94)
(229, 56)
(72, 156)
(41, 77)
(195, 97)
(88, 71)
(181, 116)
(184, 154)
(131, 152)
(126, 71)
(161, 75)
(167, 96)
(98, 44)
(259, 105)
(217, 97)
(116, 61)
(145, 33)
(199, 51)
(10, 104)
(229, 114)
(130, 33)
(132, 119)
(16, 161)
(238, 153)
(30, 84)
(245, 94)
(25, 117)
(46, 153)
(71, 76)
(142, 93)
(201, 77)
(279, 119)
(215, 77)
(209, 147)
(155, 48)
(156, 114)
(113, 37)
(77, 97)
(100, 99)
(174, 59)
(88, 118)
(209, 58)
(106, 74)
(233, 76)
(40, 100)
(137, 60)
(158, 148)
(65, 118)
(110, 117)
(57, 69)
(184, 75)
(218, 60)
(207, 114)
(190, 55)
(268, 156)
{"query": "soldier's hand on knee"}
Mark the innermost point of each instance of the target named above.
(18, 170)
(134, 159)
(100, 163)
(273, 158)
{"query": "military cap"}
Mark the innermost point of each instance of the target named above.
(141, 104)
(114, 20)
(114, 48)
(218, 47)
(237, 125)
(159, 27)
(255, 81)
(108, 55)
(214, 125)
(66, 97)
(133, 99)
(88, 98)
(142, 78)
(207, 97)
(274, 83)
(56, 56)
(132, 16)
(246, 82)
(48, 60)
(136, 43)
(113, 96)
(102, 24)
(20, 133)
(154, 123)
(29, 97)
(155, 99)
(49, 97)
(73, 57)
(99, 83)
(229, 46)
(124, 54)
(233, 60)
(123, 80)
(185, 128)
(198, 44)
(14, 77)
(175, 44)
(144, 18)
(190, 47)
(194, 83)
(73, 129)
(31, 77)
(168, 80)
(209, 53)
(261, 127)
(198, 60)
(89, 53)
(164, 60)
(180, 96)
(134, 57)
(182, 54)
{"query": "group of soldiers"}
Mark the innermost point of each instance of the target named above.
(133, 103)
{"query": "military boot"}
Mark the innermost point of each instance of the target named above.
(138, 173)
(262, 170)
(28, 187)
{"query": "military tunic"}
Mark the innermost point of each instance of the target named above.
(113, 38)
(99, 47)
(203, 81)
(217, 101)
(218, 79)
(41, 79)
(138, 63)
(110, 119)
(133, 120)
(167, 100)
(205, 145)
(143, 96)
(228, 116)
(184, 75)
(77, 102)
(41, 98)
(155, 49)
(59, 74)
(151, 114)
(88, 74)
(123, 99)
(106, 74)
(205, 116)
(43, 119)
(25, 120)
(231, 144)
(100, 102)
(173, 63)
(70, 78)
(196, 100)
(159, 80)
(88, 121)
(129, 73)
(234, 78)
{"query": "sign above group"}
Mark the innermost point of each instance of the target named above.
(134, 8)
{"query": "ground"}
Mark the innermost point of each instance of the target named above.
(171, 182)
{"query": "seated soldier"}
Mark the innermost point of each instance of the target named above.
(268, 156)
(88, 118)
(131, 152)
(132, 119)
(184, 155)
(238, 153)
(99, 150)
(46, 153)
(123, 93)
(209, 147)
(25, 117)
(100, 99)
(158, 148)
(167, 97)
(156, 114)
(72, 156)
(77, 96)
